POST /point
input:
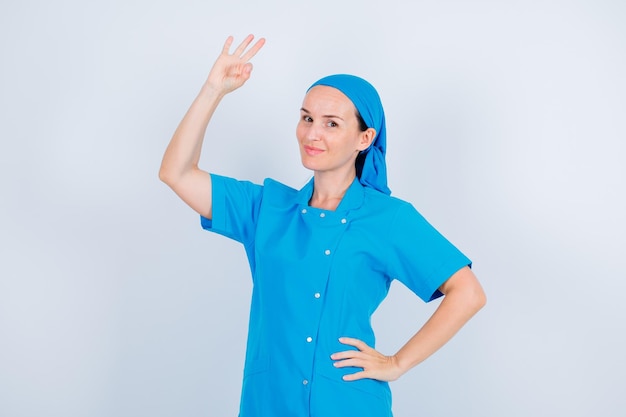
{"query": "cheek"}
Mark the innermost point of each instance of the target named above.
(300, 131)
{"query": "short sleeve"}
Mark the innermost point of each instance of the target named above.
(421, 258)
(235, 208)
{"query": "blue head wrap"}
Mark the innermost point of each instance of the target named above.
(370, 164)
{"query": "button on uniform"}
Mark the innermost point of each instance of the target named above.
(337, 226)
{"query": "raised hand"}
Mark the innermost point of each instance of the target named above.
(231, 71)
(375, 365)
(179, 168)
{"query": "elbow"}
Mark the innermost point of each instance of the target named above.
(164, 176)
(471, 296)
(474, 294)
(478, 298)
(481, 300)
(466, 290)
(167, 175)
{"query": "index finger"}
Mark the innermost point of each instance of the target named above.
(359, 344)
(227, 44)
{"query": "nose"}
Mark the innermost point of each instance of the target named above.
(313, 132)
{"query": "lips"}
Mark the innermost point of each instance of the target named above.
(312, 150)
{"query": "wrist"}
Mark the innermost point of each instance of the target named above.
(398, 369)
(210, 91)
(401, 363)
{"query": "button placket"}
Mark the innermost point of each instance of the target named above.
(330, 226)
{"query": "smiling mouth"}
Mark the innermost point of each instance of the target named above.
(310, 150)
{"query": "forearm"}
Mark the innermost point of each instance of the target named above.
(457, 307)
(183, 151)
(179, 167)
(229, 72)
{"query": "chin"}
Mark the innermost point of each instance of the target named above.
(308, 163)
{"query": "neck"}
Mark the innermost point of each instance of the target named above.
(328, 190)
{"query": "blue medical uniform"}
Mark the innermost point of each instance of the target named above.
(319, 275)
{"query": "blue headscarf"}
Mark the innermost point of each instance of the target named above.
(370, 164)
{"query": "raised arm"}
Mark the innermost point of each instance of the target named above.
(179, 168)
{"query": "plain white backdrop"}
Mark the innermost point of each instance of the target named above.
(506, 129)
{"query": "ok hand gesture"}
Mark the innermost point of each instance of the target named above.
(231, 71)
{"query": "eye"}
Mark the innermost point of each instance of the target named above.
(307, 119)
(332, 124)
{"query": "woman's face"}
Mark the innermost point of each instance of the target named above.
(328, 131)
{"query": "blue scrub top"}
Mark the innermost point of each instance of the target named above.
(319, 275)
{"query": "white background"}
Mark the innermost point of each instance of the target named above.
(506, 129)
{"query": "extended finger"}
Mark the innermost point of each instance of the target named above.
(255, 48)
(227, 44)
(243, 45)
(355, 376)
(347, 354)
(352, 362)
(354, 342)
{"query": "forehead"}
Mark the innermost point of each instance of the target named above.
(322, 98)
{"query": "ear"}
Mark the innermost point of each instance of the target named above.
(366, 138)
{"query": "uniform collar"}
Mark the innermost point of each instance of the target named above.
(352, 199)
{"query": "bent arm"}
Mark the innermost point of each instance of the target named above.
(179, 168)
(464, 296)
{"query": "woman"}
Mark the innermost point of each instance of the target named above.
(323, 257)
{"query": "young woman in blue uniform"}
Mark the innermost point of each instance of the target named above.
(322, 258)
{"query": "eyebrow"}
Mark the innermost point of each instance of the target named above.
(326, 115)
